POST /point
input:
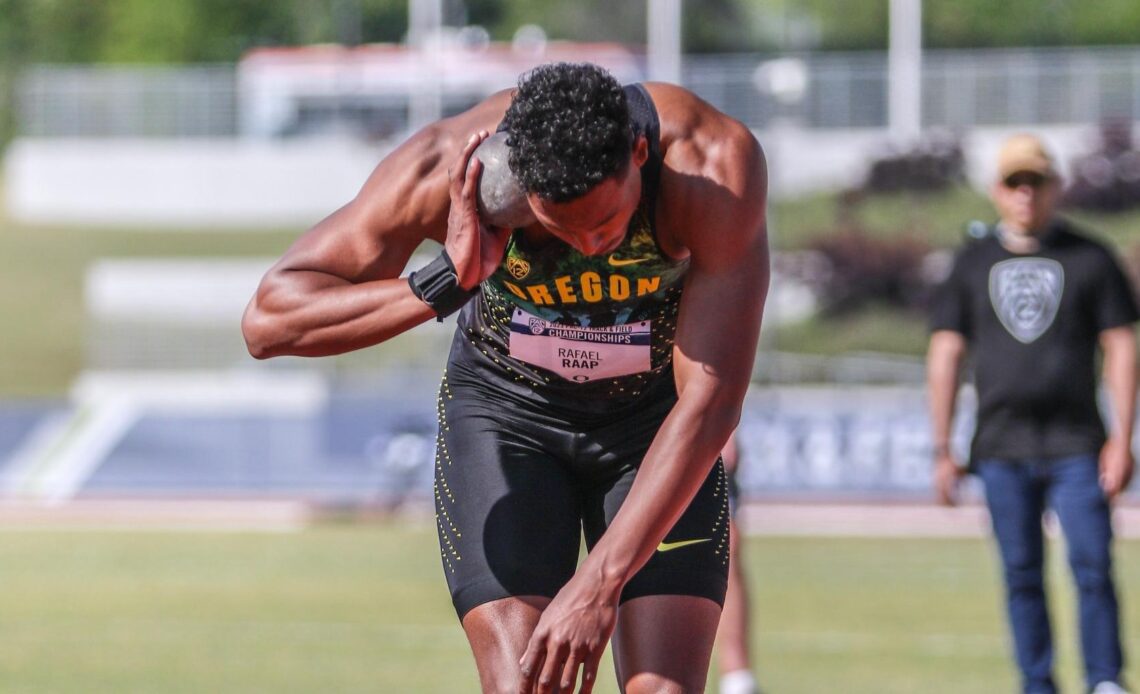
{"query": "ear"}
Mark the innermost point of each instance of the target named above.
(640, 151)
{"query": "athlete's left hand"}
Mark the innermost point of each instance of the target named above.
(475, 248)
(571, 634)
(1116, 466)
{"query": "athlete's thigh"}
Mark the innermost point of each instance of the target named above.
(663, 643)
(507, 514)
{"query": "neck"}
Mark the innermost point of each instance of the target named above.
(1018, 240)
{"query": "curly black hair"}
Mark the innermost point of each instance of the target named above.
(568, 129)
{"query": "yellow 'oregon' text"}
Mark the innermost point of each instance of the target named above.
(589, 288)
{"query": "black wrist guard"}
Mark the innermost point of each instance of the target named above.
(437, 285)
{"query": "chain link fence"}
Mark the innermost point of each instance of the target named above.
(141, 101)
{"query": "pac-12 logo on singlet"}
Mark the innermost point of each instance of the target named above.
(1025, 293)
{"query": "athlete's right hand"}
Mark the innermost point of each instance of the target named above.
(571, 635)
(474, 247)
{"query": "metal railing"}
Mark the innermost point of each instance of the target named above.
(961, 89)
(141, 101)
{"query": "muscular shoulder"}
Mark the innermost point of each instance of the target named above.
(714, 171)
(404, 201)
(408, 189)
(698, 139)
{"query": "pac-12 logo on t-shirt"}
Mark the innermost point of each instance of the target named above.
(1025, 293)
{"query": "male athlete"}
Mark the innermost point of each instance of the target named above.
(599, 364)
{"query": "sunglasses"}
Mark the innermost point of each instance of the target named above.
(1025, 178)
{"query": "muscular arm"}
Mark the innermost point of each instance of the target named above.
(716, 179)
(337, 288)
(943, 363)
(717, 332)
(1119, 346)
(715, 182)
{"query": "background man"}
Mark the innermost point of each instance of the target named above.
(1031, 301)
(598, 367)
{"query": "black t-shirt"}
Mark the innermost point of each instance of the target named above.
(1032, 323)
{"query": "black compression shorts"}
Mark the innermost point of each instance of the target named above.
(516, 490)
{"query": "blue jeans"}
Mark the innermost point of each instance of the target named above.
(1017, 493)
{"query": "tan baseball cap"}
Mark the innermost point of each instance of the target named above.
(1025, 153)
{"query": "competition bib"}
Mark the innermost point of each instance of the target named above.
(580, 354)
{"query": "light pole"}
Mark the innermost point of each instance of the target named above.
(904, 64)
(425, 98)
(664, 34)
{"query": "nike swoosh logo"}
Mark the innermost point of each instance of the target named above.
(667, 546)
(618, 262)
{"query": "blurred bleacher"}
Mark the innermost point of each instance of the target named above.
(173, 407)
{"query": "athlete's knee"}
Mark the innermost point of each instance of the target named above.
(498, 632)
(499, 671)
(500, 683)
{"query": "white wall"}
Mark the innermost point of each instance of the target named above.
(182, 183)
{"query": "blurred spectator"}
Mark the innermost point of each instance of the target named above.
(866, 269)
(1031, 300)
(935, 164)
(1108, 180)
(732, 637)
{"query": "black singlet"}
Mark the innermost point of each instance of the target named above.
(585, 334)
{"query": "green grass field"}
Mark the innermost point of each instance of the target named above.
(363, 608)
